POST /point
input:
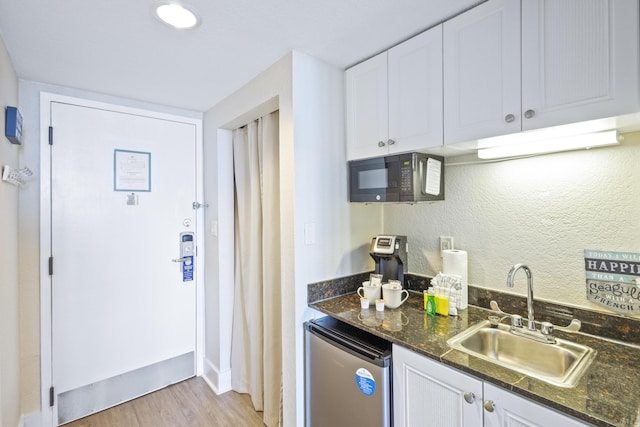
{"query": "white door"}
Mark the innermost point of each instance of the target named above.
(123, 313)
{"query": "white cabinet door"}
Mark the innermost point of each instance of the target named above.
(394, 100)
(511, 410)
(427, 393)
(579, 60)
(481, 49)
(366, 108)
(415, 93)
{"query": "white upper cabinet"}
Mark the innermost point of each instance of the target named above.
(512, 66)
(503, 67)
(482, 72)
(579, 60)
(415, 92)
(394, 100)
(366, 107)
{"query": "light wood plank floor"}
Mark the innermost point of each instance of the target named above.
(190, 403)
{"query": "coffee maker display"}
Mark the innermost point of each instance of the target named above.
(390, 256)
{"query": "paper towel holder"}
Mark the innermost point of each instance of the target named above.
(455, 261)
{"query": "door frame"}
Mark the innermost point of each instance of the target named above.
(48, 418)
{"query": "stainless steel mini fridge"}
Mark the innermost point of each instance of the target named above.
(348, 376)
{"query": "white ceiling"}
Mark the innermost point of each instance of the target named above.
(118, 47)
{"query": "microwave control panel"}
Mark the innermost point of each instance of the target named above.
(406, 176)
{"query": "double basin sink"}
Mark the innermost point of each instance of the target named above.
(560, 364)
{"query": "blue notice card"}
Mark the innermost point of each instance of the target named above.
(365, 382)
(187, 269)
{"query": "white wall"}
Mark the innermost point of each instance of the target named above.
(313, 190)
(9, 276)
(269, 91)
(342, 230)
(29, 230)
(542, 211)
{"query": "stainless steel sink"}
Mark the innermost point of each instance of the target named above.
(560, 364)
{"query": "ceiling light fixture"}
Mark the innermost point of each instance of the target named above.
(176, 15)
(548, 145)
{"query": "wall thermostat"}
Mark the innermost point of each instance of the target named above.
(13, 125)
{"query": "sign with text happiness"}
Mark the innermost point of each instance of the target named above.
(613, 280)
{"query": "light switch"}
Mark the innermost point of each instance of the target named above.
(310, 233)
(213, 226)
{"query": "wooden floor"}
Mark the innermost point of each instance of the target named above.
(187, 404)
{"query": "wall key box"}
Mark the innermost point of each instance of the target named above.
(13, 125)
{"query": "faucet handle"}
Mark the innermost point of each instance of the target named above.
(516, 321)
(494, 307)
(574, 326)
(546, 328)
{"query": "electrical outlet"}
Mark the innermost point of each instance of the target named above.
(446, 243)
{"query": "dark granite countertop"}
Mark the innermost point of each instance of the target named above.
(606, 394)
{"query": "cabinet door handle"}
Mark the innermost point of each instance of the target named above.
(469, 397)
(529, 114)
(391, 142)
(509, 118)
(381, 144)
(489, 406)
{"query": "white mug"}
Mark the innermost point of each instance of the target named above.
(392, 295)
(370, 292)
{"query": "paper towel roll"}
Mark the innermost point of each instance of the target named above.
(454, 261)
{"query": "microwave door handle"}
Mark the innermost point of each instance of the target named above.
(423, 176)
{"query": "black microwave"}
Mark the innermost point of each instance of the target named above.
(409, 178)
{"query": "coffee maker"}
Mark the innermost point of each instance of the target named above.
(390, 256)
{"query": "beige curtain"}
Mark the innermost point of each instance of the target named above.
(256, 340)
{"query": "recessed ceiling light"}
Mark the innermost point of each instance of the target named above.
(176, 15)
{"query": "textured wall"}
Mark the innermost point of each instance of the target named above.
(542, 211)
(9, 290)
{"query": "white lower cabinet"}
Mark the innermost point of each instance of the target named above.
(428, 393)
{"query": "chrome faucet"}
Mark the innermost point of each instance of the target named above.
(545, 334)
(531, 324)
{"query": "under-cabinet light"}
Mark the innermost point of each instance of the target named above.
(177, 15)
(547, 145)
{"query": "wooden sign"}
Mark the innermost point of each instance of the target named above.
(613, 280)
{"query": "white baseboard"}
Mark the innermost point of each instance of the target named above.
(220, 382)
(31, 420)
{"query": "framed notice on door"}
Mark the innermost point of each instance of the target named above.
(131, 170)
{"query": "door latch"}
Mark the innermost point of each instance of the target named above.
(197, 205)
